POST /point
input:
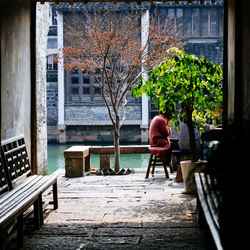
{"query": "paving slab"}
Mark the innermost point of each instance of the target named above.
(119, 212)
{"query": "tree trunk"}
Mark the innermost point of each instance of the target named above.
(192, 141)
(117, 147)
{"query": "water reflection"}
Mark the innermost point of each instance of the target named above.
(56, 158)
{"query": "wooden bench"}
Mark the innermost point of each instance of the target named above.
(208, 202)
(20, 189)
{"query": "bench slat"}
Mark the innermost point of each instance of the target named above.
(29, 199)
(211, 207)
(24, 188)
(19, 194)
(13, 191)
(28, 193)
(3, 178)
(212, 190)
(207, 212)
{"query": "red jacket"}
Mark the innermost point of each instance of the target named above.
(159, 132)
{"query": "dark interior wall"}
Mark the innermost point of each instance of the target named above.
(15, 69)
(246, 61)
(231, 60)
(234, 214)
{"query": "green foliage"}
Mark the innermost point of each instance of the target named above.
(184, 80)
(188, 82)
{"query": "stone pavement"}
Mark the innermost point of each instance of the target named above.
(120, 212)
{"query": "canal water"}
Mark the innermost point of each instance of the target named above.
(56, 159)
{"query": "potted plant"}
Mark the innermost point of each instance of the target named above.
(185, 81)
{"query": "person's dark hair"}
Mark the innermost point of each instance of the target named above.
(168, 113)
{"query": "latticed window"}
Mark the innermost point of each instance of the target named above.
(203, 21)
(83, 87)
(196, 21)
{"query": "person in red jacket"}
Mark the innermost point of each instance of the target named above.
(159, 133)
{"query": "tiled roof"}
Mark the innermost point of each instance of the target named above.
(66, 6)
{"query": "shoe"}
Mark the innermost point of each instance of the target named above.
(98, 172)
(111, 171)
(105, 171)
(121, 172)
(128, 171)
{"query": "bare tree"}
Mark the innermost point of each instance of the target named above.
(108, 38)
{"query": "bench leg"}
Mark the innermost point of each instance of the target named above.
(1, 238)
(37, 223)
(55, 196)
(20, 230)
(40, 204)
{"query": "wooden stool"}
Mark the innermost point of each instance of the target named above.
(156, 161)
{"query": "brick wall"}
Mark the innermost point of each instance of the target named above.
(102, 134)
(98, 114)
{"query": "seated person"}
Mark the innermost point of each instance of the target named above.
(183, 137)
(159, 133)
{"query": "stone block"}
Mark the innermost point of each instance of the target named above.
(89, 137)
(76, 138)
(62, 136)
(75, 167)
(76, 162)
(144, 135)
(105, 161)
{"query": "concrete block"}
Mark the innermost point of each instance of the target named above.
(145, 135)
(76, 162)
(75, 167)
(105, 161)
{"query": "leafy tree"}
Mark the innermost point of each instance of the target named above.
(188, 82)
(107, 38)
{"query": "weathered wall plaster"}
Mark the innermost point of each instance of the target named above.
(15, 69)
(42, 28)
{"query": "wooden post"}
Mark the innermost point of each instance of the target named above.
(34, 167)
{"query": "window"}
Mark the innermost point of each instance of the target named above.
(74, 80)
(54, 17)
(51, 63)
(171, 14)
(179, 13)
(203, 21)
(82, 87)
(196, 22)
(52, 43)
(188, 21)
(213, 22)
